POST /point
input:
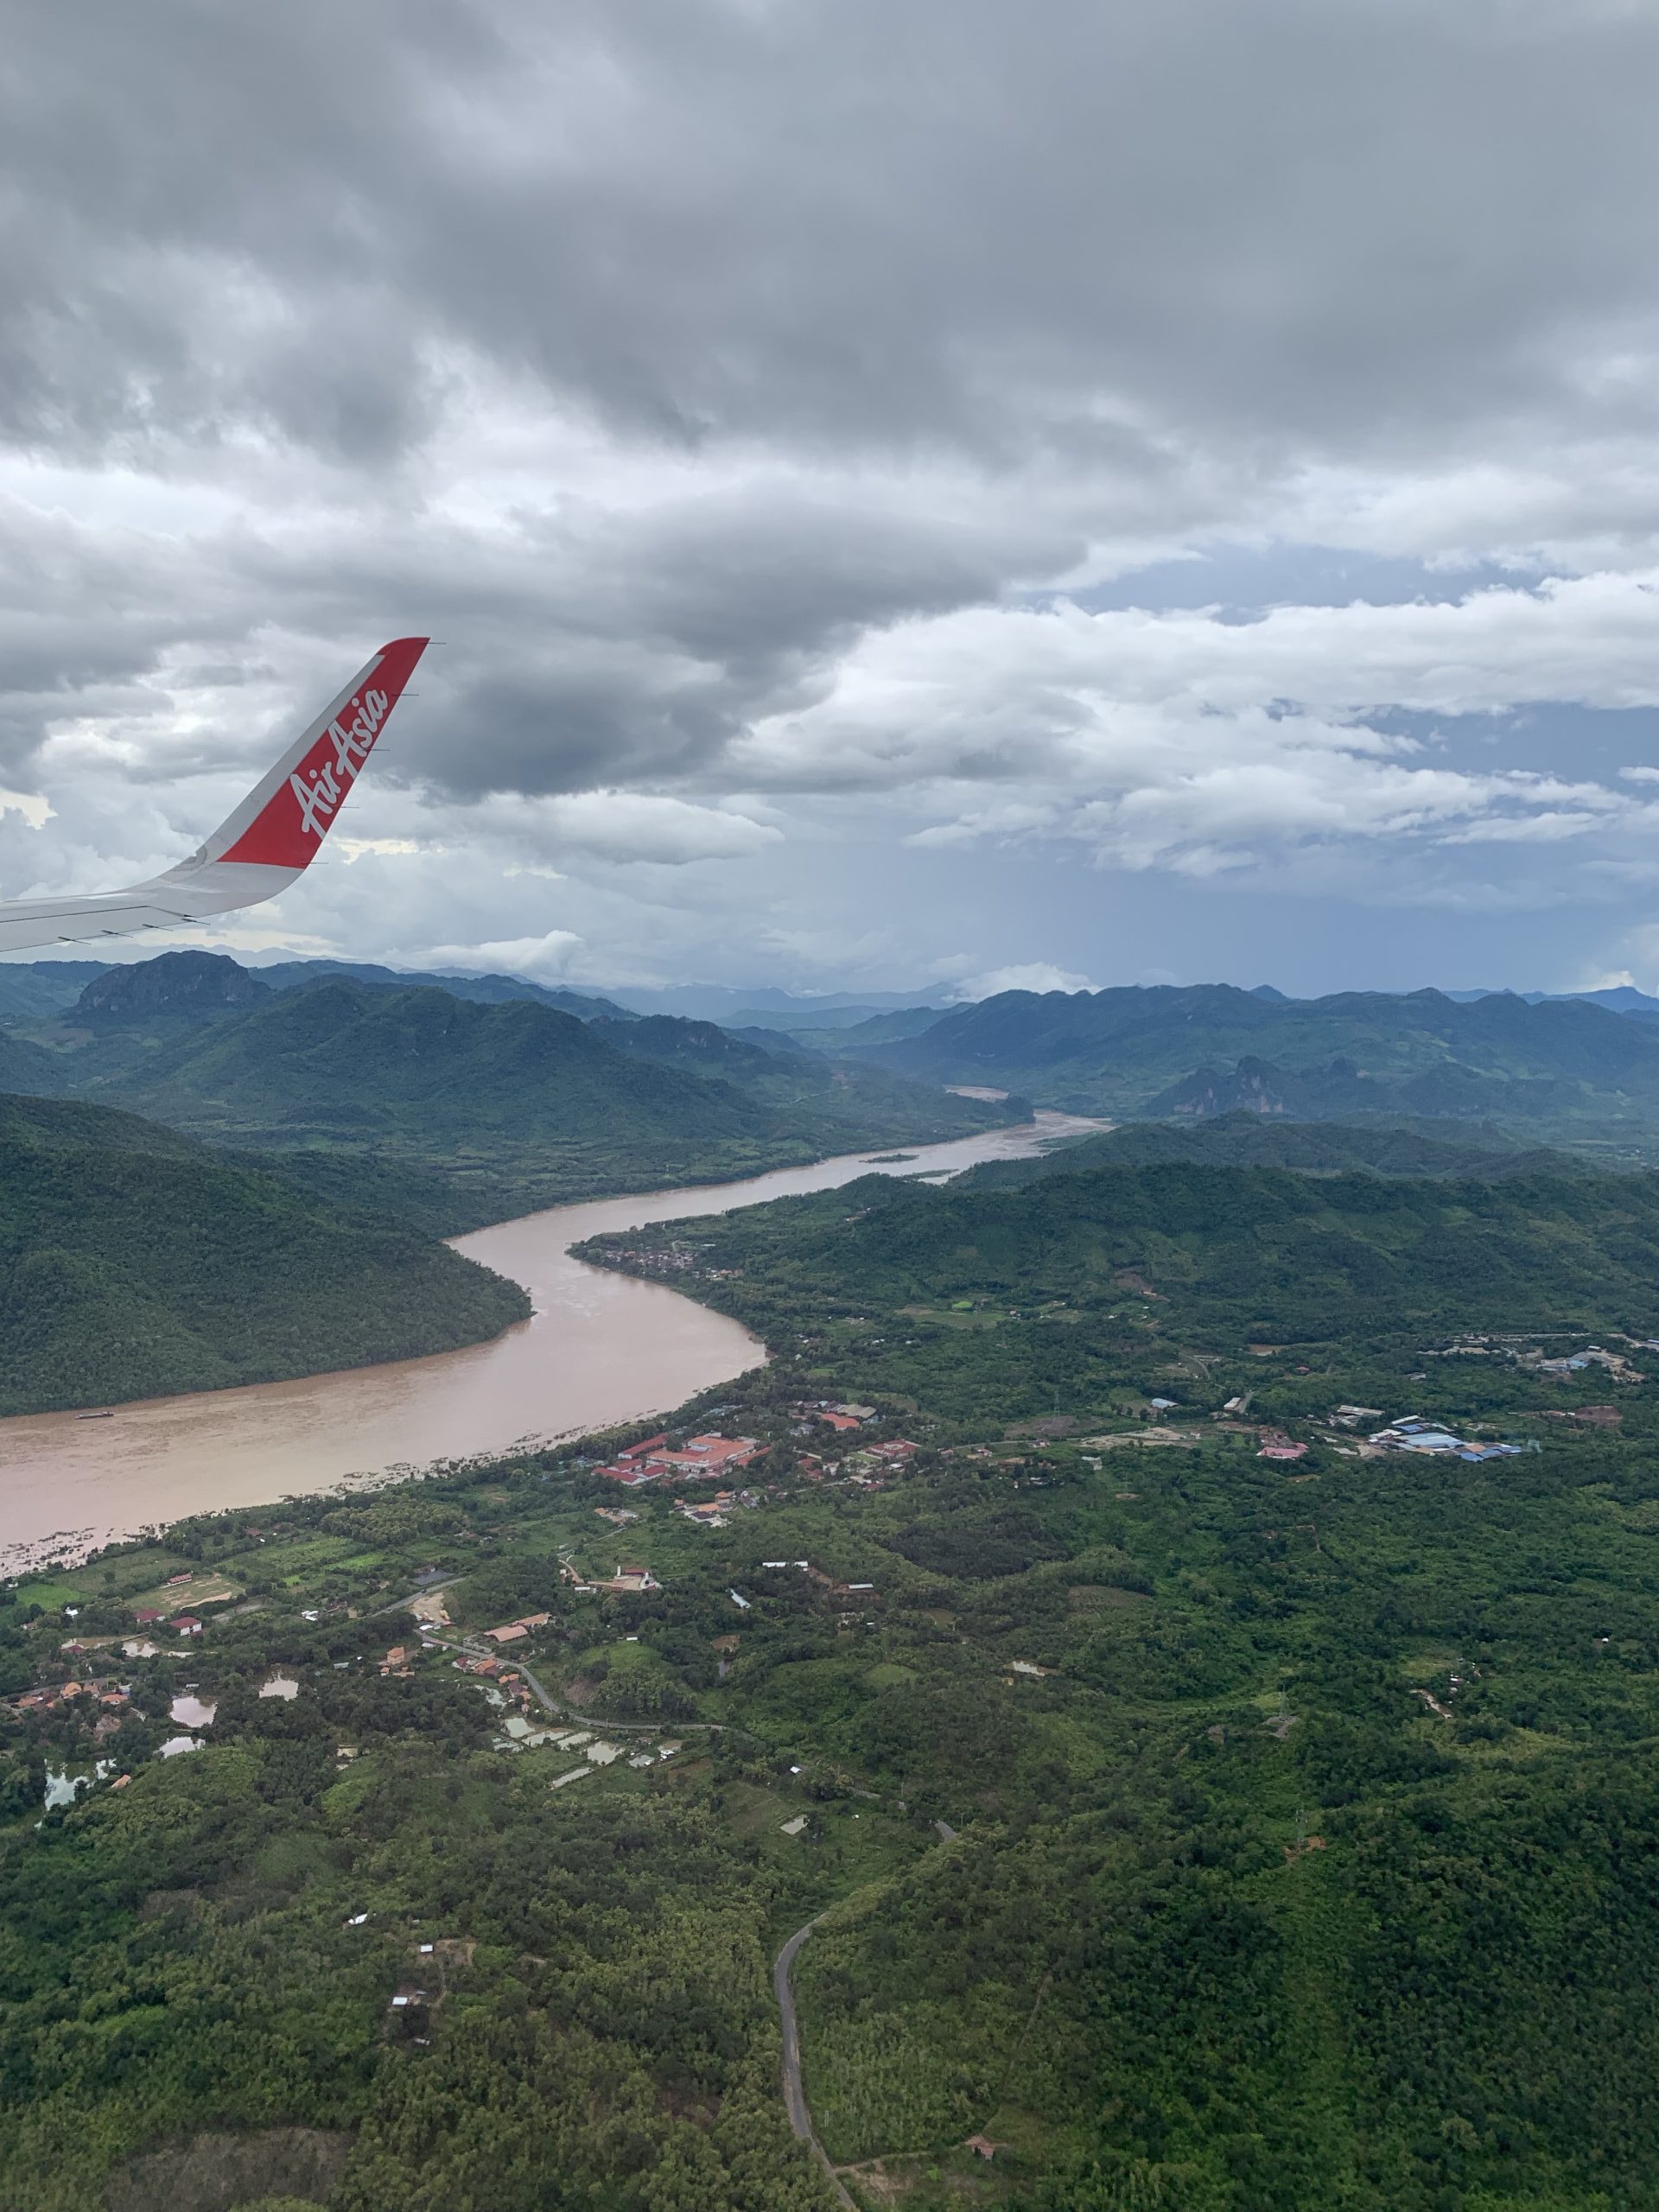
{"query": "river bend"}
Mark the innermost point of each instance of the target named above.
(600, 1348)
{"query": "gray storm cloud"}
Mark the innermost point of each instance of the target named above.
(736, 389)
(842, 224)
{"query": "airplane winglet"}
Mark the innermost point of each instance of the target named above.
(283, 820)
(260, 848)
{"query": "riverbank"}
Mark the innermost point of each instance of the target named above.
(600, 1348)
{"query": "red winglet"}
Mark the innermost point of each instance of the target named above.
(300, 813)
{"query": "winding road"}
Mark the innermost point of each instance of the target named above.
(548, 1703)
(800, 2119)
(794, 2090)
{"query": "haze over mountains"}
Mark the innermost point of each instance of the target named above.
(455, 1109)
(1210, 1048)
(355, 1054)
(311, 1130)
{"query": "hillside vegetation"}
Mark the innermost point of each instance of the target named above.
(1211, 1834)
(1050, 1293)
(1480, 1152)
(135, 1262)
(867, 1105)
(1170, 1050)
(469, 1112)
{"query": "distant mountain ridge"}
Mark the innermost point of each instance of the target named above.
(191, 985)
(1212, 1049)
(483, 989)
(454, 1111)
(37, 990)
(350, 1060)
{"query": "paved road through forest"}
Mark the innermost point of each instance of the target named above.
(794, 2090)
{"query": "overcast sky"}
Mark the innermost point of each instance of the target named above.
(907, 492)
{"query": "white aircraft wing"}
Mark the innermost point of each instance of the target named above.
(258, 851)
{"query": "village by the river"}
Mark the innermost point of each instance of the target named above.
(600, 1348)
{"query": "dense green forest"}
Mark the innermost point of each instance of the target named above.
(135, 1262)
(1308, 1862)
(1211, 1048)
(33, 992)
(1478, 1152)
(460, 1110)
(1068, 1281)
(1206, 1833)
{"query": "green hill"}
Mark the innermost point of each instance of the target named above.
(478, 1111)
(1067, 1289)
(1480, 1151)
(841, 1101)
(174, 987)
(351, 1064)
(1168, 1050)
(488, 990)
(135, 1262)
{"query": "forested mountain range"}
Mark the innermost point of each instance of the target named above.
(1210, 1048)
(1478, 1151)
(1060, 1280)
(40, 990)
(870, 1104)
(456, 1111)
(135, 1262)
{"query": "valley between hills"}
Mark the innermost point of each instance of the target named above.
(1175, 1615)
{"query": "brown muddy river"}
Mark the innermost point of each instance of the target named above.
(600, 1348)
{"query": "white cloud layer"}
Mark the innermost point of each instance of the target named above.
(1028, 976)
(806, 431)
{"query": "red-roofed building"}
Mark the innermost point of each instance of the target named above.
(711, 1454)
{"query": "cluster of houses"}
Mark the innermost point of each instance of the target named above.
(826, 1412)
(110, 1701)
(516, 1632)
(1412, 1433)
(1537, 1362)
(713, 1512)
(656, 1459)
(1620, 1369)
(1275, 1445)
(870, 1467)
(151, 1616)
